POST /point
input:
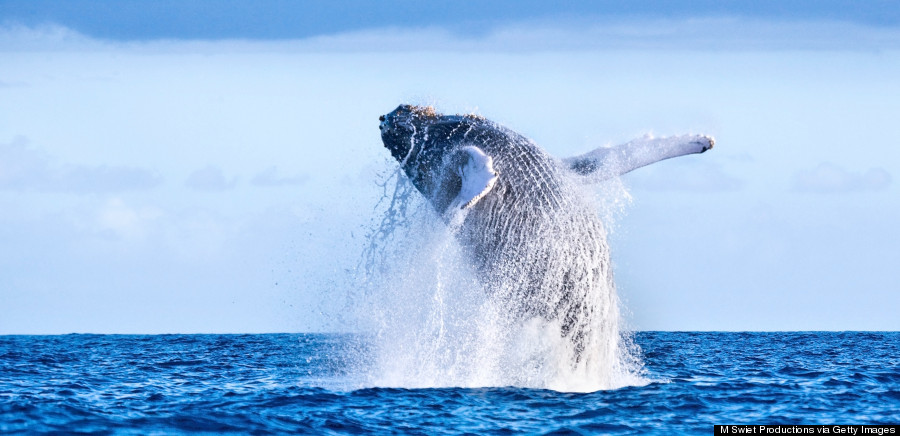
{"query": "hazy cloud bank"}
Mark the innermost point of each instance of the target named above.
(271, 177)
(24, 168)
(211, 179)
(831, 178)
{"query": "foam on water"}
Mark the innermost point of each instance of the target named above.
(434, 323)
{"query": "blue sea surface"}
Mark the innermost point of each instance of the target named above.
(309, 383)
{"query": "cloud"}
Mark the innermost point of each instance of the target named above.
(5, 84)
(610, 33)
(24, 168)
(124, 221)
(270, 177)
(210, 179)
(830, 178)
(688, 176)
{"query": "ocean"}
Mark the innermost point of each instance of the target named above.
(321, 384)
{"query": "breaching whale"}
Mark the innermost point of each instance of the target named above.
(536, 245)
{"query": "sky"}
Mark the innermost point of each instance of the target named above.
(172, 167)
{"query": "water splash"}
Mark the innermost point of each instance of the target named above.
(437, 320)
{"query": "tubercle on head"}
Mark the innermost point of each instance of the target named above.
(422, 111)
(429, 112)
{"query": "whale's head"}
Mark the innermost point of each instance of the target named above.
(413, 134)
(399, 129)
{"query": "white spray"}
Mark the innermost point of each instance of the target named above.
(435, 322)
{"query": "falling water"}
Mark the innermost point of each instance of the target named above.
(438, 319)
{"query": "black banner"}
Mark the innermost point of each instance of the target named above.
(852, 430)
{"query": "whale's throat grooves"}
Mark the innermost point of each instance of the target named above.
(541, 247)
(535, 240)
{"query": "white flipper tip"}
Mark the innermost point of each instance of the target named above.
(478, 178)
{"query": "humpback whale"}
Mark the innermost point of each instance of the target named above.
(537, 246)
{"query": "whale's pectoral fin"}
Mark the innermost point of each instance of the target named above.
(477, 177)
(608, 162)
